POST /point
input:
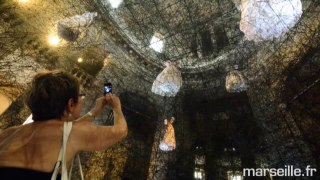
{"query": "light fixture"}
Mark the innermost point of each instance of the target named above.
(168, 142)
(267, 19)
(54, 40)
(235, 82)
(115, 3)
(168, 82)
(70, 28)
(80, 60)
(157, 42)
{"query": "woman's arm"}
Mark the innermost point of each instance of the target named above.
(92, 137)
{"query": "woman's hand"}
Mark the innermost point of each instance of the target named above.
(113, 101)
(109, 99)
(100, 103)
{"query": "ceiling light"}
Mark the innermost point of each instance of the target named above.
(54, 40)
(168, 82)
(80, 60)
(262, 20)
(156, 42)
(115, 3)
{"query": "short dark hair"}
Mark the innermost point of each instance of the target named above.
(49, 94)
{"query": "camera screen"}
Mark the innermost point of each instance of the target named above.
(107, 88)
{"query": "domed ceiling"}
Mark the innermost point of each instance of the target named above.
(202, 37)
(196, 34)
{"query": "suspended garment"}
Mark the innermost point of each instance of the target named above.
(168, 143)
(235, 82)
(70, 28)
(267, 19)
(168, 82)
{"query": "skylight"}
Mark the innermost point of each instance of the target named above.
(115, 3)
(157, 42)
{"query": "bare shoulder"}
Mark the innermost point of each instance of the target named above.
(4, 133)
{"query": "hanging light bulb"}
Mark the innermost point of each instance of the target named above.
(70, 28)
(168, 82)
(267, 19)
(168, 143)
(235, 82)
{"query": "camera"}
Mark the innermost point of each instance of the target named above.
(107, 88)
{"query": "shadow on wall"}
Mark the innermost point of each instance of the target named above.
(141, 116)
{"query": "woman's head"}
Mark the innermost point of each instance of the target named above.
(51, 94)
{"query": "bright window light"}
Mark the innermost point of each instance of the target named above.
(234, 175)
(115, 3)
(156, 42)
(54, 40)
(199, 173)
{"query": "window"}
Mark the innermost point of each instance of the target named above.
(234, 175)
(199, 173)
(115, 3)
(157, 42)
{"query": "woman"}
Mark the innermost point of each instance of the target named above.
(32, 150)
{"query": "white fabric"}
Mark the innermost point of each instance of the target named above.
(78, 20)
(165, 147)
(168, 82)
(67, 126)
(267, 19)
(70, 28)
(235, 82)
